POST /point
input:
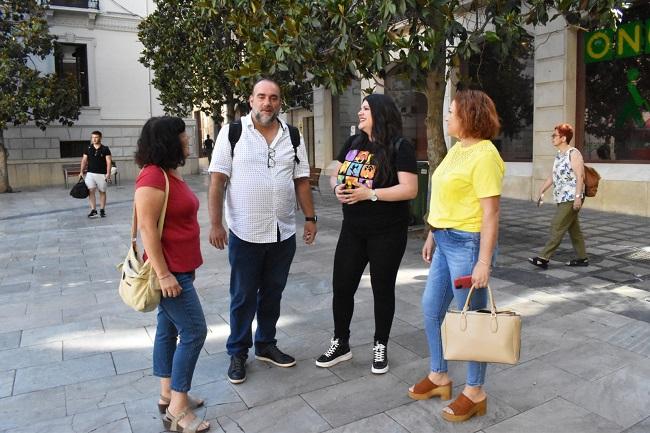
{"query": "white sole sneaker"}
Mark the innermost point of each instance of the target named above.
(344, 357)
(379, 370)
(265, 359)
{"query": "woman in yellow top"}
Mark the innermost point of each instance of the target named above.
(464, 216)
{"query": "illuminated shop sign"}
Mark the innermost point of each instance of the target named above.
(629, 40)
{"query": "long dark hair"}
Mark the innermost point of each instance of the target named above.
(159, 143)
(386, 131)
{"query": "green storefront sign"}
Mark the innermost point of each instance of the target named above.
(629, 40)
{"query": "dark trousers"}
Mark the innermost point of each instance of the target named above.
(354, 250)
(258, 274)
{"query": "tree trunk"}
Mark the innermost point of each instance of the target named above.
(4, 171)
(230, 111)
(435, 93)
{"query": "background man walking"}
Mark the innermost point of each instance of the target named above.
(265, 174)
(97, 159)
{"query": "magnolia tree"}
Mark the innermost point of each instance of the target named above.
(200, 63)
(331, 42)
(27, 96)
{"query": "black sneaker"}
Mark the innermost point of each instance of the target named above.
(578, 262)
(275, 356)
(539, 262)
(339, 351)
(237, 369)
(93, 213)
(102, 213)
(380, 358)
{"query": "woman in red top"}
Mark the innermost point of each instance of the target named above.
(163, 146)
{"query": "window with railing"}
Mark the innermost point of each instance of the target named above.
(82, 4)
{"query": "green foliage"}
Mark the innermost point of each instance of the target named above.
(25, 94)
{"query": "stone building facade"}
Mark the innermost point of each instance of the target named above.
(99, 44)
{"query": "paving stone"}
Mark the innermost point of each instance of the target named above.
(530, 384)
(621, 397)
(642, 427)
(6, 382)
(30, 356)
(9, 340)
(34, 406)
(592, 360)
(350, 401)
(17, 323)
(374, 424)
(110, 391)
(107, 420)
(67, 331)
(113, 341)
(288, 415)
(634, 337)
(63, 373)
(425, 416)
(557, 415)
(285, 382)
(540, 340)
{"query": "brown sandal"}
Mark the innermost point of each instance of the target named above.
(463, 409)
(426, 389)
(171, 423)
(192, 402)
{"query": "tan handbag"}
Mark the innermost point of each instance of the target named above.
(482, 335)
(139, 287)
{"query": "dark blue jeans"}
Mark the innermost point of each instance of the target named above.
(258, 274)
(180, 316)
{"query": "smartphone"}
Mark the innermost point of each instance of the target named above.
(463, 282)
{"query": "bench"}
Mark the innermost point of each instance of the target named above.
(314, 178)
(72, 170)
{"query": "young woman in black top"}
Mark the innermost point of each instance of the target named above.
(376, 178)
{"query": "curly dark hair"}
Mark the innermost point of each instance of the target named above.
(160, 144)
(386, 130)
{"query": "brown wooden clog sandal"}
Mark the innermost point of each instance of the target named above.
(192, 402)
(171, 423)
(426, 389)
(463, 409)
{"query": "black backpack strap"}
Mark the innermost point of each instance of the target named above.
(234, 133)
(294, 133)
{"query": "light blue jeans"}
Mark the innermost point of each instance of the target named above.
(455, 256)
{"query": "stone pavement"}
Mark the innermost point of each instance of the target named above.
(73, 358)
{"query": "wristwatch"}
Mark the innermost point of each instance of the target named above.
(312, 219)
(373, 197)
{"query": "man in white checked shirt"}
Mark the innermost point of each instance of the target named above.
(264, 175)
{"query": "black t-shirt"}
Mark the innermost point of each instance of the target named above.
(359, 168)
(97, 159)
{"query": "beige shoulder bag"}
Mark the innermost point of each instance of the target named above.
(139, 287)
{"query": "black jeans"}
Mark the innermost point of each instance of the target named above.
(354, 250)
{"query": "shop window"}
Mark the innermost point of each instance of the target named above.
(613, 118)
(72, 61)
(509, 81)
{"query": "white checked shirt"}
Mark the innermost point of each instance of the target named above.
(259, 199)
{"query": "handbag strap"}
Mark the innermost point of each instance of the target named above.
(161, 219)
(493, 307)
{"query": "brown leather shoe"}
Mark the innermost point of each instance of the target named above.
(463, 409)
(426, 389)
